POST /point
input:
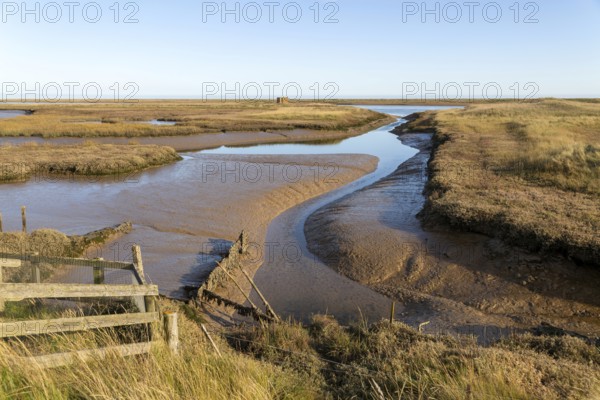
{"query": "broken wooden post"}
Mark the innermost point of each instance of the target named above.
(24, 218)
(172, 331)
(213, 344)
(392, 312)
(244, 242)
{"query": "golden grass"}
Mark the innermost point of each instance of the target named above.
(396, 362)
(191, 117)
(526, 172)
(323, 360)
(46, 242)
(18, 163)
(198, 373)
(51, 243)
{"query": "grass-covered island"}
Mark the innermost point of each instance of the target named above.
(21, 162)
(181, 117)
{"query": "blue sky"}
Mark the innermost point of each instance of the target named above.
(376, 49)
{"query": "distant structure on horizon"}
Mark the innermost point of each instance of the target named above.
(283, 100)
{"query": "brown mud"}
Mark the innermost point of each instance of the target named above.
(457, 281)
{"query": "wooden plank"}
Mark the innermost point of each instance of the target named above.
(62, 325)
(64, 359)
(23, 291)
(78, 262)
(10, 263)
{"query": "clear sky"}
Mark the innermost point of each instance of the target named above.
(381, 48)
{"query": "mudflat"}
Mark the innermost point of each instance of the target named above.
(458, 281)
(184, 214)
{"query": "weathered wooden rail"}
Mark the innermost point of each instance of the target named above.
(144, 296)
(224, 273)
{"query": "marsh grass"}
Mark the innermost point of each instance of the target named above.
(46, 242)
(191, 117)
(51, 243)
(384, 361)
(20, 163)
(526, 172)
(320, 361)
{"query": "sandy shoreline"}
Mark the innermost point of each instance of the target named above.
(464, 282)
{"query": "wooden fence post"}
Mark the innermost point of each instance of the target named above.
(172, 331)
(140, 277)
(36, 276)
(392, 312)
(1, 230)
(24, 218)
(151, 307)
(99, 276)
(138, 263)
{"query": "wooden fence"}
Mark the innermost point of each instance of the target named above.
(144, 297)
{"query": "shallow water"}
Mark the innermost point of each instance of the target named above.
(5, 114)
(170, 218)
(179, 143)
(163, 123)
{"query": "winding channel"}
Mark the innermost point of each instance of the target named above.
(294, 280)
(162, 203)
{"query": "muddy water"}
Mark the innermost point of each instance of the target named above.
(296, 282)
(179, 143)
(177, 216)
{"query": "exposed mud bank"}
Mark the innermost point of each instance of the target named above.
(183, 213)
(463, 282)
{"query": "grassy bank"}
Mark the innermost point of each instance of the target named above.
(198, 373)
(19, 163)
(51, 243)
(319, 361)
(190, 117)
(525, 172)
